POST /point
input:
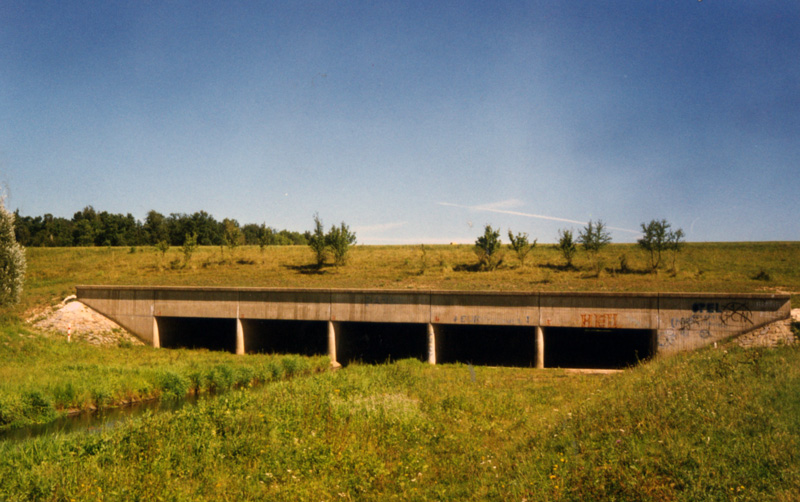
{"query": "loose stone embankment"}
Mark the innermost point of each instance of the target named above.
(73, 318)
(773, 335)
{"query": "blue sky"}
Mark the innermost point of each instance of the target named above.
(412, 122)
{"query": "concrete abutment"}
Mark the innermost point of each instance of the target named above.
(499, 328)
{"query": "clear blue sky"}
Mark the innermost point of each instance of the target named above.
(411, 121)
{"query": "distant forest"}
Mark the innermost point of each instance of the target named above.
(91, 228)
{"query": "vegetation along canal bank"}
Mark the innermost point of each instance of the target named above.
(717, 424)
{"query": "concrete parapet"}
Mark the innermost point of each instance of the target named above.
(681, 321)
(285, 304)
(600, 311)
(380, 306)
(484, 307)
(688, 321)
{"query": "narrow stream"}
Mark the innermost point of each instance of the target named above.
(97, 421)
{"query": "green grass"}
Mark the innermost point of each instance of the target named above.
(710, 425)
(719, 267)
(716, 424)
(43, 378)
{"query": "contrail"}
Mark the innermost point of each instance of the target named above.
(530, 215)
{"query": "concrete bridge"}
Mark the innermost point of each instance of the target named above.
(590, 330)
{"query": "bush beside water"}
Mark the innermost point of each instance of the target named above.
(40, 378)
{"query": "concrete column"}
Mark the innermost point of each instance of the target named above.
(539, 347)
(239, 337)
(332, 329)
(156, 336)
(431, 344)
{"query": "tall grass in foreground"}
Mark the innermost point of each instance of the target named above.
(710, 425)
(43, 378)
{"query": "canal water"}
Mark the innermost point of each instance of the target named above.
(97, 421)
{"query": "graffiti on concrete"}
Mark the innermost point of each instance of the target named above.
(706, 318)
(598, 320)
(736, 313)
(667, 338)
(489, 319)
(711, 308)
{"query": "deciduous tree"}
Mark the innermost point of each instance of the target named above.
(487, 247)
(12, 260)
(339, 239)
(595, 237)
(520, 245)
(566, 245)
(317, 242)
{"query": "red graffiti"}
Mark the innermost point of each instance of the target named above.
(598, 320)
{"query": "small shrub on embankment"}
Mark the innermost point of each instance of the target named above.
(710, 425)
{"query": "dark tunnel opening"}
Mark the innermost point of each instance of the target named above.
(308, 338)
(375, 343)
(596, 348)
(197, 333)
(486, 345)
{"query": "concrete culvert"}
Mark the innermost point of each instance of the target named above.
(375, 343)
(486, 345)
(197, 333)
(597, 348)
(308, 338)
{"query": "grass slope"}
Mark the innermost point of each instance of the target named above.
(710, 425)
(44, 378)
(724, 267)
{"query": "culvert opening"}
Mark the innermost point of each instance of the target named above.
(596, 348)
(197, 333)
(308, 338)
(375, 343)
(486, 345)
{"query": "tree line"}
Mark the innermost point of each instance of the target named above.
(89, 227)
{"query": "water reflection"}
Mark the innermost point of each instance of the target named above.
(97, 421)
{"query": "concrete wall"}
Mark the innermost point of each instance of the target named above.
(682, 321)
(689, 321)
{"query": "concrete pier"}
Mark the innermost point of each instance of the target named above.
(431, 343)
(539, 347)
(533, 328)
(332, 344)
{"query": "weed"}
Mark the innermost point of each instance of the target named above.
(125, 344)
(294, 365)
(762, 275)
(221, 378)
(101, 396)
(64, 395)
(244, 376)
(173, 385)
(276, 370)
(36, 407)
(10, 410)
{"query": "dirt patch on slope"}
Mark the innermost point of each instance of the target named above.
(82, 323)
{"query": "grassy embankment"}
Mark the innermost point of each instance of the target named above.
(707, 425)
(725, 267)
(42, 379)
(710, 425)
